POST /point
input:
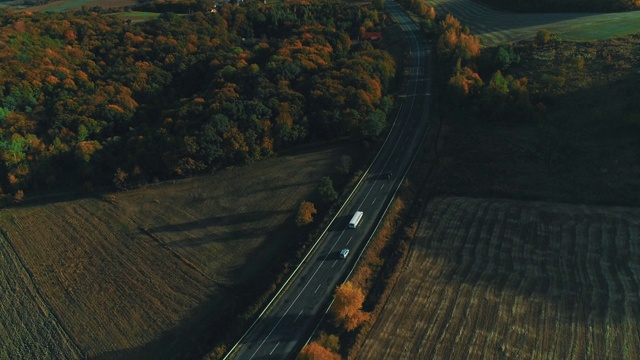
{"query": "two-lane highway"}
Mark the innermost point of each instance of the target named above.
(287, 323)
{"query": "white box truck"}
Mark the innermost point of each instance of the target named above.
(355, 220)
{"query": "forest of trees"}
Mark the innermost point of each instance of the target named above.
(462, 66)
(87, 99)
(564, 5)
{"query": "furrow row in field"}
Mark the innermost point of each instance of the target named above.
(104, 279)
(28, 327)
(495, 279)
(148, 273)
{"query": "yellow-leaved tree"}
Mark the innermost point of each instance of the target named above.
(305, 213)
(347, 306)
(315, 351)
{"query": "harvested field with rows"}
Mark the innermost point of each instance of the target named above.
(28, 328)
(156, 272)
(491, 279)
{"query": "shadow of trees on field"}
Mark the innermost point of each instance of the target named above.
(188, 339)
(224, 317)
(225, 220)
(281, 187)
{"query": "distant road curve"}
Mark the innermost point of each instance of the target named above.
(494, 27)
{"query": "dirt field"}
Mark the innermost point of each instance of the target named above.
(491, 279)
(148, 272)
(28, 328)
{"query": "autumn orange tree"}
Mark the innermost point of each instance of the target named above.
(456, 42)
(83, 94)
(464, 82)
(305, 213)
(347, 306)
(315, 351)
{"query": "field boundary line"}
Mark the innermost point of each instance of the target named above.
(39, 299)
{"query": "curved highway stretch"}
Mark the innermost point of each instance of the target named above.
(494, 27)
(284, 327)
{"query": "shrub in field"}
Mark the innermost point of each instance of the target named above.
(506, 99)
(505, 57)
(578, 63)
(18, 196)
(543, 36)
(464, 82)
(552, 82)
(326, 190)
(344, 167)
(120, 179)
(347, 306)
(305, 213)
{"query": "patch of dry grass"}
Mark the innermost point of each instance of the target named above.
(66, 5)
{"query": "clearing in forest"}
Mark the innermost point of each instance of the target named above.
(491, 279)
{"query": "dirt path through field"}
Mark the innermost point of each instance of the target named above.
(491, 278)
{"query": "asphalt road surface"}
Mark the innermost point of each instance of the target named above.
(289, 321)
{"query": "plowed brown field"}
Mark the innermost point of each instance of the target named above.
(28, 328)
(493, 279)
(146, 273)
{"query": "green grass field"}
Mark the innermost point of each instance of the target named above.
(494, 27)
(66, 5)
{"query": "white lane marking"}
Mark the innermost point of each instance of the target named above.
(374, 201)
(397, 160)
(294, 321)
(334, 263)
(382, 187)
(274, 348)
(336, 243)
(317, 288)
(287, 311)
(349, 240)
